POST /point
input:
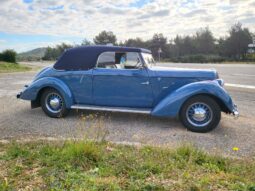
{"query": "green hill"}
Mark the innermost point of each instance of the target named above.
(35, 54)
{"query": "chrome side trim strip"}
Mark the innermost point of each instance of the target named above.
(112, 109)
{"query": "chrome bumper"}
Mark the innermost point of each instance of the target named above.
(235, 112)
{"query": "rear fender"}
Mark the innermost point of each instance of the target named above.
(32, 91)
(171, 104)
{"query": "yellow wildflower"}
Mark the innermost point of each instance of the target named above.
(235, 149)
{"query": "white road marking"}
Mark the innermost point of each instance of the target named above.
(240, 86)
(249, 75)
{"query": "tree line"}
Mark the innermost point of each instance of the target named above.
(199, 47)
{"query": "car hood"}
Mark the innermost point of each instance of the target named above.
(209, 74)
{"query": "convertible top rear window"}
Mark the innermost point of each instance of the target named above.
(85, 58)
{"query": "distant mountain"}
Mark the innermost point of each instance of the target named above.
(35, 54)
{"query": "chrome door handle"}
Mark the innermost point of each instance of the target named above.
(145, 83)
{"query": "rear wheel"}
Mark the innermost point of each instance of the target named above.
(200, 114)
(53, 104)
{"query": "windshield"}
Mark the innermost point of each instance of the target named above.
(148, 59)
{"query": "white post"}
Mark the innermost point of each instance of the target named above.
(159, 52)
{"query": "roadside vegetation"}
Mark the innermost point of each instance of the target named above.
(8, 62)
(85, 165)
(6, 67)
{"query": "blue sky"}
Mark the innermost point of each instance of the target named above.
(28, 24)
(27, 1)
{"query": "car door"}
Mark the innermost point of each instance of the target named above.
(121, 83)
(80, 84)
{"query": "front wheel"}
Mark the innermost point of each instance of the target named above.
(200, 114)
(53, 104)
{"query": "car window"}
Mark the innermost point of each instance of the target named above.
(148, 59)
(119, 60)
(132, 60)
(106, 60)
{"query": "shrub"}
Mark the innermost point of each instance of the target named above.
(251, 57)
(8, 56)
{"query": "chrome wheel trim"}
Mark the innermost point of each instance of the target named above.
(199, 114)
(54, 102)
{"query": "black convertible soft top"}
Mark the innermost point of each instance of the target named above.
(85, 57)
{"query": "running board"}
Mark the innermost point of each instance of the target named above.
(112, 109)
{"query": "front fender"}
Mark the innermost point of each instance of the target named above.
(32, 91)
(171, 104)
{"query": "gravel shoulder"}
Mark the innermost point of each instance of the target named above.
(18, 121)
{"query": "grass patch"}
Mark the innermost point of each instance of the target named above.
(13, 67)
(106, 166)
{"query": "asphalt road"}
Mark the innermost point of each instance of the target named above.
(18, 121)
(243, 74)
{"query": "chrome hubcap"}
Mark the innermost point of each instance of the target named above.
(199, 114)
(54, 102)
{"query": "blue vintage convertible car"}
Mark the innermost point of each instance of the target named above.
(122, 79)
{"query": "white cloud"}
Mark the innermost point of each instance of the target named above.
(86, 18)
